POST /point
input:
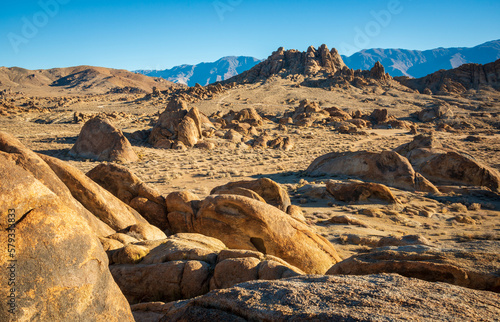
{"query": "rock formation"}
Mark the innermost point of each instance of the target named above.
(179, 124)
(445, 166)
(386, 167)
(62, 271)
(269, 190)
(349, 298)
(467, 268)
(359, 191)
(127, 187)
(188, 265)
(100, 140)
(96, 199)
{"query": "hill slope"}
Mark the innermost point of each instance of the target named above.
(79, 79)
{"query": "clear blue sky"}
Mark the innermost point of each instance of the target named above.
(162, 34)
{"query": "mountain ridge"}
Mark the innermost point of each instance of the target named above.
(205, 73)
(418, 63)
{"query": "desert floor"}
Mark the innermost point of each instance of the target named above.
(445, 220)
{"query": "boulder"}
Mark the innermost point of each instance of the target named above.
(123, 183)
(444, 166)
(127, 187)
(178, 126)
(269, 190)
(188, 265)
(188, 132)
(386, 167)
(436, 111)
(337, 298)
(468, 268)
(250, 116)
(359, 191)
(101, 140)
(185, 247)
(244, 223)
(170, 281)
(31, 162)
(455, 168)
(96, 199)
(61, 270)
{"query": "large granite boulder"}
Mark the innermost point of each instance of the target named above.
(100, 140)
(335, 298)
(127, 187)
(244, 223)
(96, 199)
(61, 271)
(34, 164)
(386, 167)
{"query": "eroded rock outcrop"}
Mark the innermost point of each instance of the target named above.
(100, 140)
(445, 166)
(188, 265)
(179, 124)
(458, 80)
(472, 269)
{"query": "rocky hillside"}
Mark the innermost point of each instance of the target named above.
(458, 80)
(79, 79)
(205, 73)
(416, 63)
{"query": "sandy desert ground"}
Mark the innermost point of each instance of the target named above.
(445, 220)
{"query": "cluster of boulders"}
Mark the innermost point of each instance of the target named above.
(94, 244)
(180, 127)
(310, 113)
(421, 165)
(65, 216)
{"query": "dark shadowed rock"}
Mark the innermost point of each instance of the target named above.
(100, 140)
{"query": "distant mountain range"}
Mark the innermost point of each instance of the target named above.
(397, 62)
(205, 73)
(416, 63)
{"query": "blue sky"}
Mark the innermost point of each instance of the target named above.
(162, 34)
